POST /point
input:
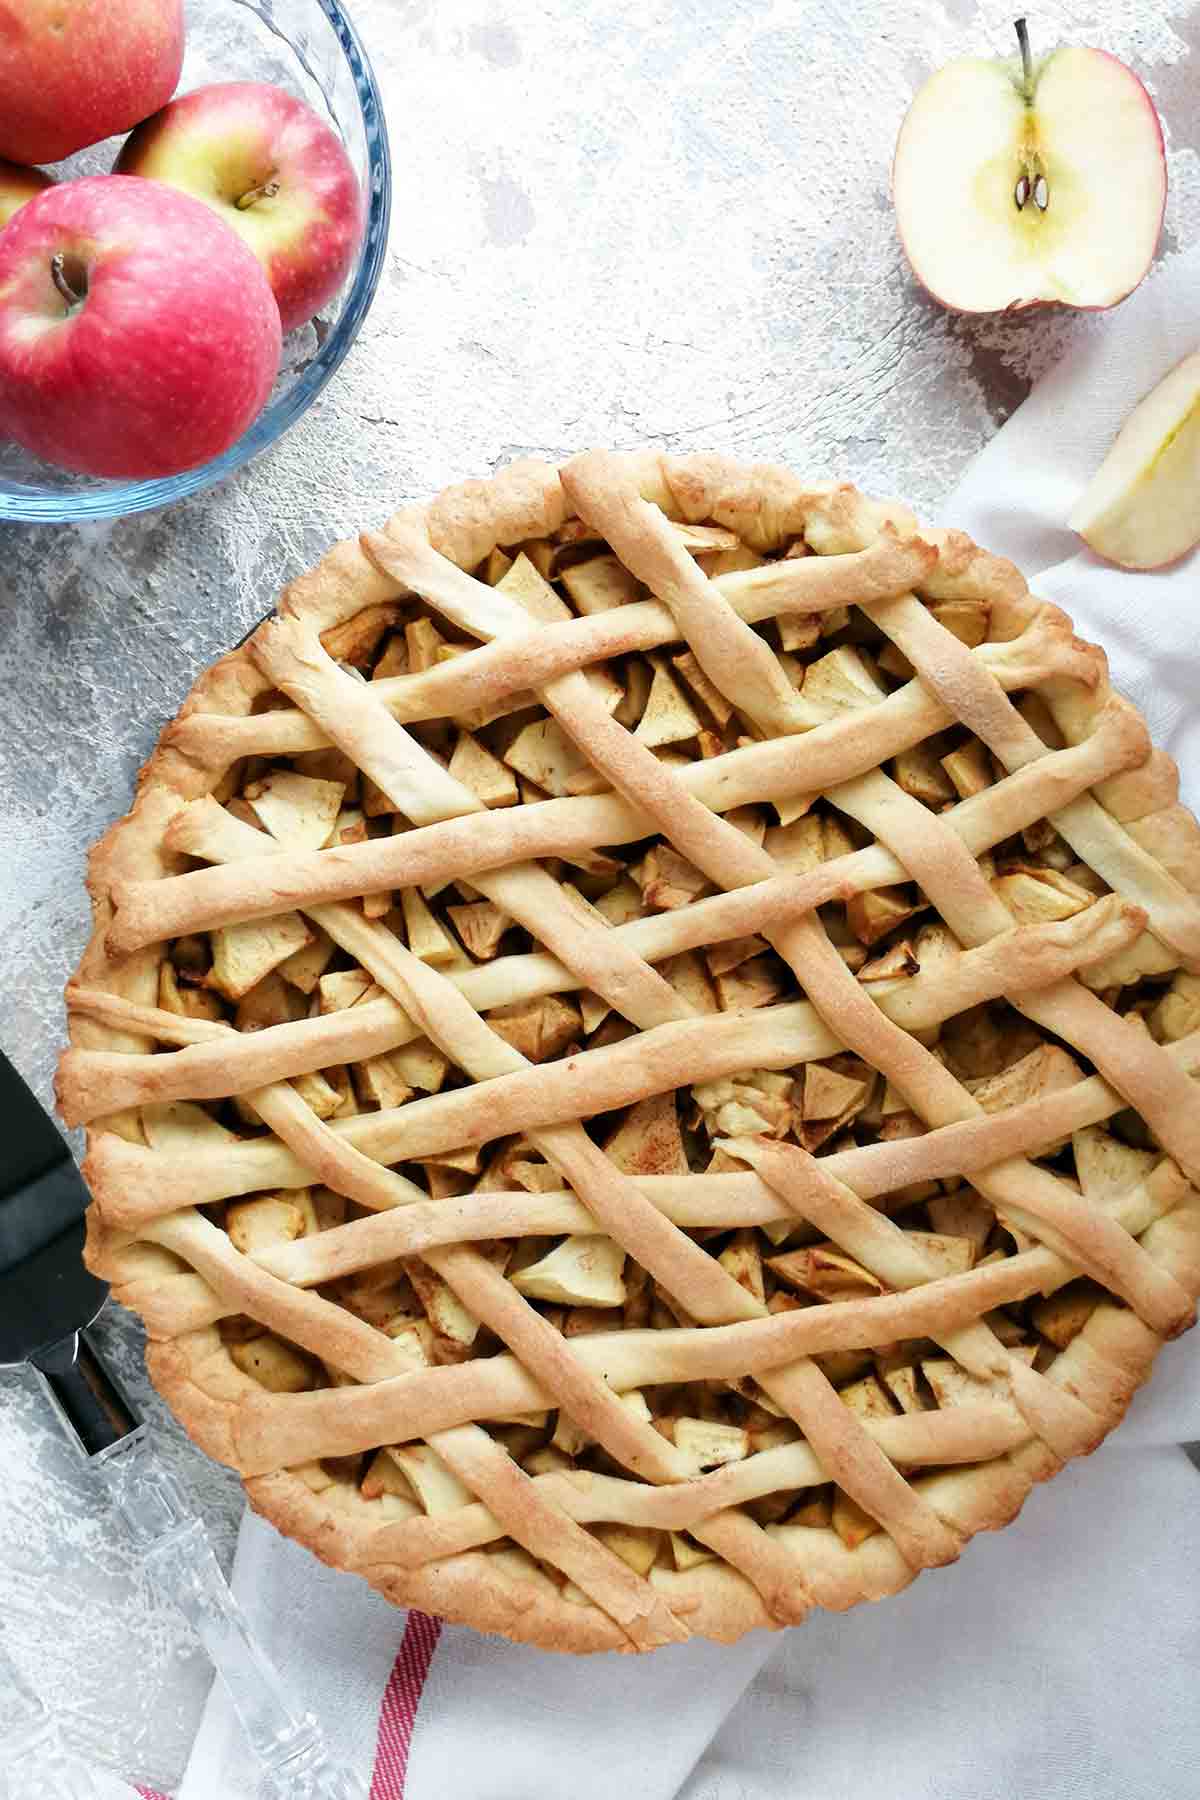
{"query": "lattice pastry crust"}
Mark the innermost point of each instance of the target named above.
(626, 1111)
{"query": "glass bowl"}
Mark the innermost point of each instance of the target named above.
(311, 48)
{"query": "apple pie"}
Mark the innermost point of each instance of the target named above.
(637, 1051)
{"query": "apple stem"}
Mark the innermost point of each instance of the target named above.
(58, 275)
(266, 190)
(1022, 31)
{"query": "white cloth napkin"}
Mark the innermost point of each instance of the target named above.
(1057, 1658)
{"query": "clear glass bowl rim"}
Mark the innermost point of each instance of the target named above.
(27, 506)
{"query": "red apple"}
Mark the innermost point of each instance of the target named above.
(1021, 182)
(75, 71)
(138, 335)
(274, 171)
(17, 185)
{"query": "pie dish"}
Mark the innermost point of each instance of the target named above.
(636, 1051)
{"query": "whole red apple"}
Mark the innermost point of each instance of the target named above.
(138, 335)
(274, 171)
(17, 185)
(75, 71)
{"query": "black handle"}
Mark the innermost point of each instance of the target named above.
(90, 1400)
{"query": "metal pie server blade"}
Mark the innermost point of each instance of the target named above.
(47, 1296)
(47, 1300)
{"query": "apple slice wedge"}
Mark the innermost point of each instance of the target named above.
(1018, 183)
(1142, 506)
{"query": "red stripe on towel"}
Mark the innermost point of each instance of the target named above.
(402, 1697)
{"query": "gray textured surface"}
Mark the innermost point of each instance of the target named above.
(615, 222)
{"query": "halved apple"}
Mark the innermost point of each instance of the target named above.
(1020, 182)
(1142, 507)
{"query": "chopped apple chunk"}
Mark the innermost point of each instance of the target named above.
(823, 1270)
(427, 940)
(730, 955)
(580, 1271)
(708, 1444)
(267, 1219)
(871, 915)
(798, 631)
(1107, 1168)
(474, 765)
(706, 691)
(549, 1460)
(668, 880)
(346, 987)
(690, 978)
(622, 902)
(1041, 1072)
(668, 717)
(867, 1399)
(897, 963)
(742, 1259)
(841, 681)
(852, 1524)
(544, 754)
(636, 1545)
(1177, 1013)
(1062, 1316)
(393, 659)
(1037, 896)
(356, 640)
(454, 1328)
(687, 1553)
(807, 842)
(275, 1365)
(184, 1000)
(953, 1386)
(831, 1097)
(386, 1483)
(183, 1125)
(969, 769)
(962, 1214)
(539, 1029)
(436, 1487)
(422, 640)
(967, 620)
(297, 809)
(350, 827)
(243, 954)
(919, 773)
(815, 1514)
(902, 1381)
(306, 967)
(379, 1083)
(648, 1141)
(759, 982)
(480, 926)
(421, 1065)
(743, 1105)
(637, 679)
(945, 1255)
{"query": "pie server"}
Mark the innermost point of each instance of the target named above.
(48, 1300)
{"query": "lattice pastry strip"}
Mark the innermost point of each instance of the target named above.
(738, 1419)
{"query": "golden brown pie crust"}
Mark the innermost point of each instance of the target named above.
(1032, 874)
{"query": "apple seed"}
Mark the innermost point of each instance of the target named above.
(1041, 193)
(1021, 193)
